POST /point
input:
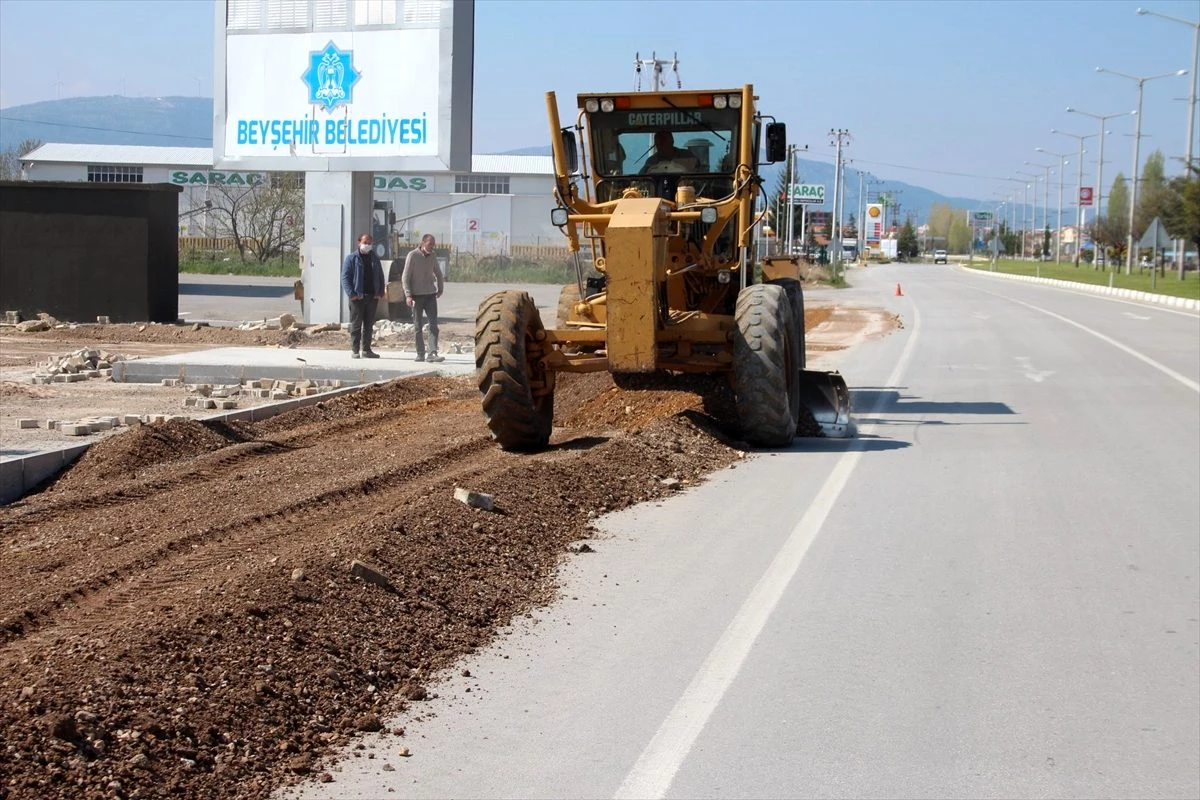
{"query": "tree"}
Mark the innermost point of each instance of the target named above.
(266, 220)
(1113, 228)
(1182, 217)
(787, 178)
(906, 243)
(1154, 199)
(1046, 242)
(959, 238)
(940, 216)
(10, 159)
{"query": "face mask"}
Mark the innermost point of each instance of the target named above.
(364, 248)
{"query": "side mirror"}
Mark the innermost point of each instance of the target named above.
(571, 148)
(391, 218)
(776, 142)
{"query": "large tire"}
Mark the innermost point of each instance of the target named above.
(795, 294)
(766, 366)
(567, 298)
(518, 393)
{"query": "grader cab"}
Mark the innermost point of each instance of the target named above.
(661, 188)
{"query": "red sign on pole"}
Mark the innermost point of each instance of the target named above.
(1085, 195)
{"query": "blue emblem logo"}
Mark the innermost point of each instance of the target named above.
(330, 77)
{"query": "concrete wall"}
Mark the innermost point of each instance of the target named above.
(81, 250)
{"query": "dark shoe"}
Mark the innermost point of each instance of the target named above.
(370, 354)
(435, 357)
(419, 358)
(354, 354)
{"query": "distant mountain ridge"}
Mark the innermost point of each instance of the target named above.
(187, 122)
(153, 121)
(914, 200)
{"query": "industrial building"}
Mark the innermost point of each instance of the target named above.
(504, 202)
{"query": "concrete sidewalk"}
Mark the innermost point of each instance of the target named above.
(240, 364)
(228, 365)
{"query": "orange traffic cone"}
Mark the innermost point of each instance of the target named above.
(898, 292)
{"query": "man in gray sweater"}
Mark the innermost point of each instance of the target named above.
(423, 285)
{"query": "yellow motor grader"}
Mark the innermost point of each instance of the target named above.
(663, 197)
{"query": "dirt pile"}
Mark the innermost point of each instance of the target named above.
(180, 618)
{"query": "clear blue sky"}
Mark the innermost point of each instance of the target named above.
(954, 96)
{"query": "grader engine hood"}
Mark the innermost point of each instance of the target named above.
(636, 257)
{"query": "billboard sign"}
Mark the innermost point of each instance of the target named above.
(1085, 195)
(874, 224)
(347, 87)
(811, 193)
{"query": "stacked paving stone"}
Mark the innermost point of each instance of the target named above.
(78, 366)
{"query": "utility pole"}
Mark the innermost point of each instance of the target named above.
(656, 65)
(840, 137)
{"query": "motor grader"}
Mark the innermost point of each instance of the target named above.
(660, 189)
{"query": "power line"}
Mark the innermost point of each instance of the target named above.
(107, 130)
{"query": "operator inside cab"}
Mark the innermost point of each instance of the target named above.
(669, 158)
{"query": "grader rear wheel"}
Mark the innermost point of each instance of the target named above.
(766, 366)
(518, 393)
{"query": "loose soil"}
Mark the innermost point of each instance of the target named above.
(214, 610)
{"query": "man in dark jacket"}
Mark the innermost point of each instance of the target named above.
(363, 283)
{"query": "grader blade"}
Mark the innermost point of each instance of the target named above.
(827, 399)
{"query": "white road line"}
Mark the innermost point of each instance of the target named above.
(655, 769)
(1164, 369)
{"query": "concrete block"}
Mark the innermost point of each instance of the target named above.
(106, 373)
(114, 421)
(132, 419)
(206, 403)
(170, 381)
(474, 499)
(27, 423)
(227, 404)
(92, 373)
(279, 394)
(75, 429)
(102, 320)
(62, 377)
(76, 377)
(98, 425)
(189, 402)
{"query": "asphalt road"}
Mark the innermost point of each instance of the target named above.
(229, 299)
(992, 592)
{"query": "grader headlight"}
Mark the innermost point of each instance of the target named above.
(591, 105)
(735, 101)
(719, 101)
(558, 217)
(708, 215)
(606, 105)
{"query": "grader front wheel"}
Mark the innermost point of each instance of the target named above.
(518, 393)
(766, 366)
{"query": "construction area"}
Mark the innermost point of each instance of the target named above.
(207, 609)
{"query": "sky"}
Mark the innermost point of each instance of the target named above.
(950, 95)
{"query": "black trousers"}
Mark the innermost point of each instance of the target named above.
(362, 322)
(425, 305)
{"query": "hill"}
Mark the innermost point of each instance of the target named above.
(914, 200)
(155, 121)
(187, 122)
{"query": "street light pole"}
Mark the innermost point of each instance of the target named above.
(1045, 202)
(1062, 163)
(1191, 136)
(1099, 198)
(1033, 211)
(839, 136)
(1081, 216)
(1137, 141)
